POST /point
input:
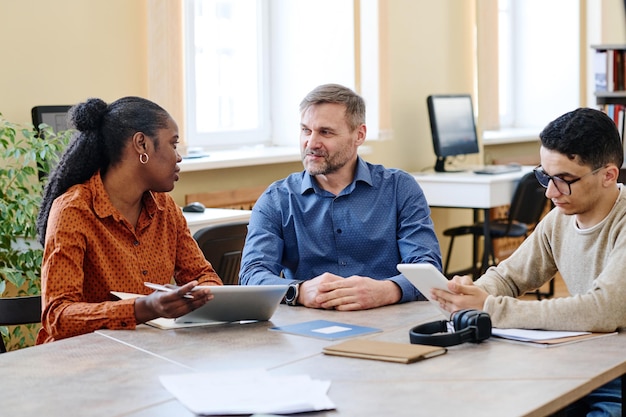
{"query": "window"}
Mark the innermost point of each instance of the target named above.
(538, 67)
(226, 57)
(249, 63)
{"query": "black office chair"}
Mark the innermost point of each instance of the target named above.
(222, 245)
(526, 208)
(54, 116)
(17, 311)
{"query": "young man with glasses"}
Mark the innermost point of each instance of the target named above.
(583, 238)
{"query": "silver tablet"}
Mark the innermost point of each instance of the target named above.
(234, 302)
(424, 277)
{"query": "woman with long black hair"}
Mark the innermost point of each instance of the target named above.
(108, 224)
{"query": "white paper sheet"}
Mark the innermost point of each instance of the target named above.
(248, 392)
(533, 335)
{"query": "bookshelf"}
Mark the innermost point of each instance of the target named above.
(610, 86)
(610, 74)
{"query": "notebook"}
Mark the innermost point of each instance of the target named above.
(424, 277)
(384, 351)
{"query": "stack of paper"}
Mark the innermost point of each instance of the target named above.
(248, 392)
(545, 338)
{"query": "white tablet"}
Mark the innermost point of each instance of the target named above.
(424, 277)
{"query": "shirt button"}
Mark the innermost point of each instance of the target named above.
(124, 324)
(136, 243)
(339, 231)
(145, 272)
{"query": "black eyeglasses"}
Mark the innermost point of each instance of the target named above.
(564, 186)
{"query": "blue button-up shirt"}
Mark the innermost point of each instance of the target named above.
(379, 220)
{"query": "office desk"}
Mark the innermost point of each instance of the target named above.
(468, 190)
(114, 373)
(197, 221)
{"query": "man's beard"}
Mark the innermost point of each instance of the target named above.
(327, 165)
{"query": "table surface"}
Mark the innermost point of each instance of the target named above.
(114, 373)
(469, 190)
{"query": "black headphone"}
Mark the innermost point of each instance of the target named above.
(470, 326)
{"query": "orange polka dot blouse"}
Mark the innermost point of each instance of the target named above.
(91, 250)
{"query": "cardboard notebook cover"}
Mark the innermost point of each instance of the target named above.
(384, 351)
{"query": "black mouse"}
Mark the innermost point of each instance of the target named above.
(195, 207)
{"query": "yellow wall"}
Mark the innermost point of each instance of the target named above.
(429, 53)
(64, 51)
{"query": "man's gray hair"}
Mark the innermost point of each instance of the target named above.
(338, 94)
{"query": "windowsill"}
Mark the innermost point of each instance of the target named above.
(248, 156)
(245, 156)
(509, 136)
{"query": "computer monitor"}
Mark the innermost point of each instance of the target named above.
(452, 126)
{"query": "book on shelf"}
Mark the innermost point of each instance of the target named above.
(617, 112)
(600, 69)
(616, 82)
(610, 68)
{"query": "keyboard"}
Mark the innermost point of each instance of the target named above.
(497, 169)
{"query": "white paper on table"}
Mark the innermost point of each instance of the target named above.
(248, 392)
(533, 335)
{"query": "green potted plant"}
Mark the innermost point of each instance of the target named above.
(26, 157)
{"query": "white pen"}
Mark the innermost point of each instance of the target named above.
(164, 288)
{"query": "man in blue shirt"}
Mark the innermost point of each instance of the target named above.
(336, 231)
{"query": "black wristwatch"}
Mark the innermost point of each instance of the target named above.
(291, 297)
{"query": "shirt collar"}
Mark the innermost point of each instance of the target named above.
(363, 172)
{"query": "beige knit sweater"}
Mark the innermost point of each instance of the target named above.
(592, 263)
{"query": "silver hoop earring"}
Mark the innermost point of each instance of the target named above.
(143, 158)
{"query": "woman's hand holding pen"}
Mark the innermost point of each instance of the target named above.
(172, 303)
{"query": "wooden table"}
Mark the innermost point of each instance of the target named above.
(114, 373)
